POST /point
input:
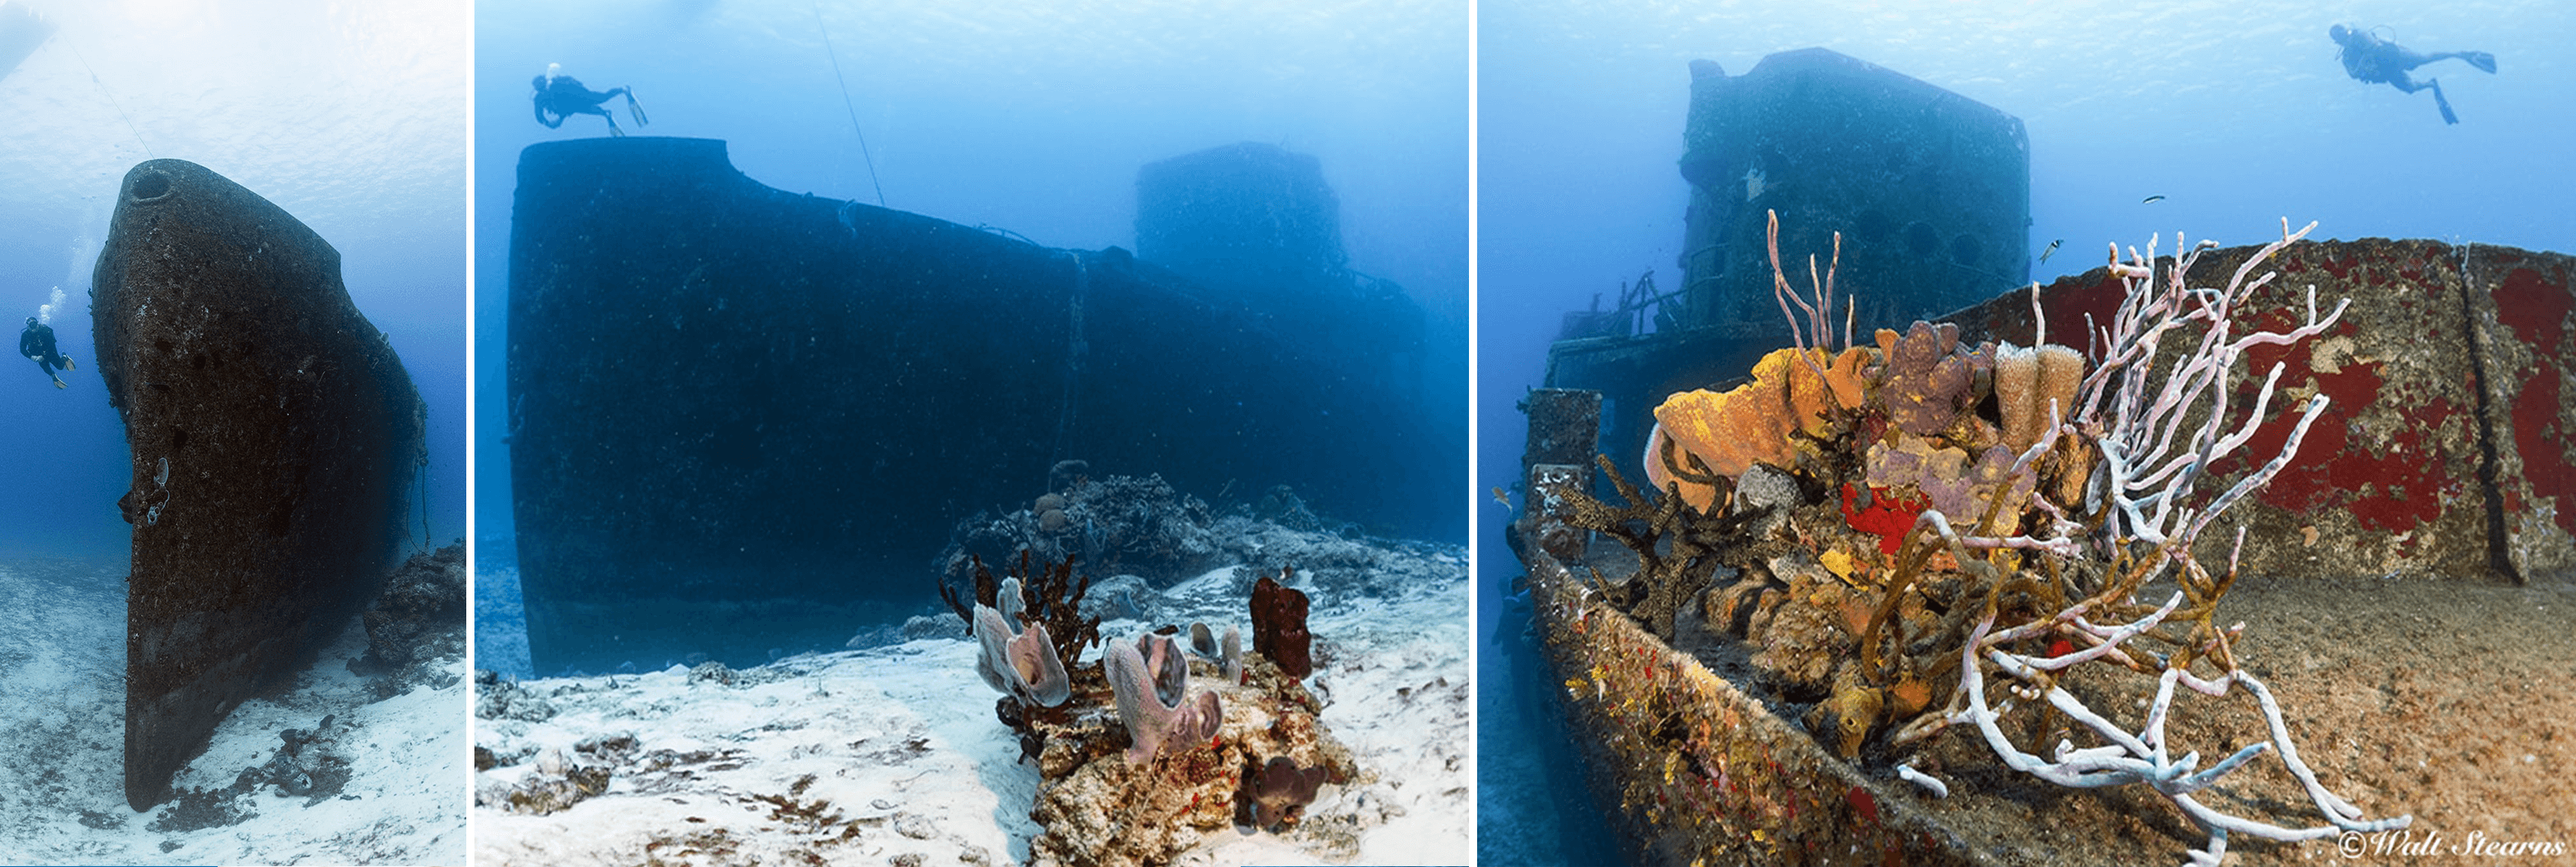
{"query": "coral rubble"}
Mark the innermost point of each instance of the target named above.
(1138, 755)
(416, 624)
(1116, 525)
(1117, 790)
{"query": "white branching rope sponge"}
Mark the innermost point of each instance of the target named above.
(2134, 416)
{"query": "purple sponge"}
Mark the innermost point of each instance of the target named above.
(1140, 675)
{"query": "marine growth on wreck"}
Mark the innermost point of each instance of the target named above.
(1159, 739)
(1915, 537)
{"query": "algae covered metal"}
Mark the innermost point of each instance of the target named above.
(274, 434)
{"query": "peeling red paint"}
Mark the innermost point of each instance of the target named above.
(2394, 488)
(1862, 803)
(2537, 311)
(2544, 459)
(2397, 448)
(2340, 269)
(2067, 301)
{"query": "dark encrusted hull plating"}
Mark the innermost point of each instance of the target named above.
(273, 432)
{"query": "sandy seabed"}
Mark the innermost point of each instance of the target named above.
(62, 723)
(2450, 701)
(894, 753)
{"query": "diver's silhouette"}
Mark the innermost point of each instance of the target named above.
(2372, 60)
(37, 344)
(562, 96)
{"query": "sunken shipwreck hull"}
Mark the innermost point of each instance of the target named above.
(1743, 688)
(2448, 450)
(274, 434)
(737, 414)
(2442, 462)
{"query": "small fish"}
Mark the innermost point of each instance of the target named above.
(2152, 200)
(2052, 249)
(1502, 498)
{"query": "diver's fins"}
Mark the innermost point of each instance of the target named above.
(2443, 104)
(637, 108)
(2479, 59)
(68, 364)
(61, 384)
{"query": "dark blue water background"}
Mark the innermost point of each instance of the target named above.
(2237, 113)
(1028, 117)
(348, 115)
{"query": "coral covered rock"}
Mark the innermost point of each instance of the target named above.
(1770, 490)
(423, 602)
(1099, 809)
(554, 785)
(1119, 524)
(497, 699)
(1805, 640)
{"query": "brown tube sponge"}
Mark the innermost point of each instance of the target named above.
(2017, 394)
(2026, 380)
(2061, 372)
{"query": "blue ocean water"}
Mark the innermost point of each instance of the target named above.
(350, 116)
(1028, 118)
(2237, 113)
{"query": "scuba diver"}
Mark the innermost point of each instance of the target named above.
(563, 96)
(37, 344)
(2372, 60)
